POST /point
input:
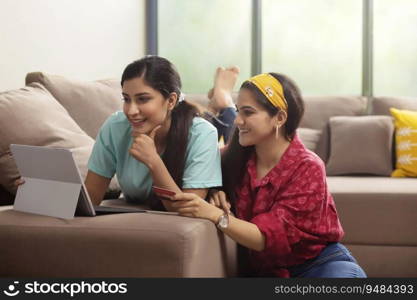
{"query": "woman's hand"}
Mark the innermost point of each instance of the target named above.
(218, 199)
(143, 147)
(191, 205)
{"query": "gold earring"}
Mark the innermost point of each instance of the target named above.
(277, 131)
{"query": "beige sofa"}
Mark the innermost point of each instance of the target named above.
(378, 213)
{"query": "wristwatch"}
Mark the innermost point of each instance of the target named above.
(223, 221)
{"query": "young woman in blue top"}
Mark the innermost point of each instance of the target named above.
(158, 139)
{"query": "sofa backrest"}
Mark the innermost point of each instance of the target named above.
(318, 110)
(381, 105)
(200, 99)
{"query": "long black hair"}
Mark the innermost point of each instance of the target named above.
(160, 74)
(235, 156)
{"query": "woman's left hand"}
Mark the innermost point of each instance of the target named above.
(191, 205)
(143, 147)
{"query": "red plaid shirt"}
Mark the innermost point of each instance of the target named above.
(293, 209)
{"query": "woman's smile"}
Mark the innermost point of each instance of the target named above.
(243, 131)
(137, 122)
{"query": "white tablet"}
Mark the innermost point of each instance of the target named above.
(53, 184)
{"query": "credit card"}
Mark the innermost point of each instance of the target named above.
(163, 193)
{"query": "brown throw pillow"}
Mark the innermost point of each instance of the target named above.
(32, 116)
(88, 103)
(309, 137)
(360, 145)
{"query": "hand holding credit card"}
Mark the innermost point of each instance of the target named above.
(163, 193)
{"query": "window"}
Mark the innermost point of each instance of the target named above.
(317, 43)
(198, 36)
(324, 45)
(395, 47)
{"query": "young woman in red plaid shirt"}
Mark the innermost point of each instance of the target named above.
(285, 218)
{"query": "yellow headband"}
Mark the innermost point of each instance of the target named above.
(271, 88)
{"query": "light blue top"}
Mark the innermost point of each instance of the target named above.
(111, 156)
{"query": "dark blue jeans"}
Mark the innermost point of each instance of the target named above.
(334, 261)
(223, 122)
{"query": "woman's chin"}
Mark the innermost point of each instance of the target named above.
(140, 129)
(244, 142)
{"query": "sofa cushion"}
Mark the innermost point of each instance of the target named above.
(323, 144)
(360, 145)
(116, 245)
(406, 142)
(376, 210)
(318, 111)
(309, 137)
(199, 99)
(386, 261)
(88, 103)
(382, 105)
(32, 116)
(202, 99)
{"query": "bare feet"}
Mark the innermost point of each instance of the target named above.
(221, 94)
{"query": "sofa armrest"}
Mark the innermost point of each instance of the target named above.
(118, 245)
